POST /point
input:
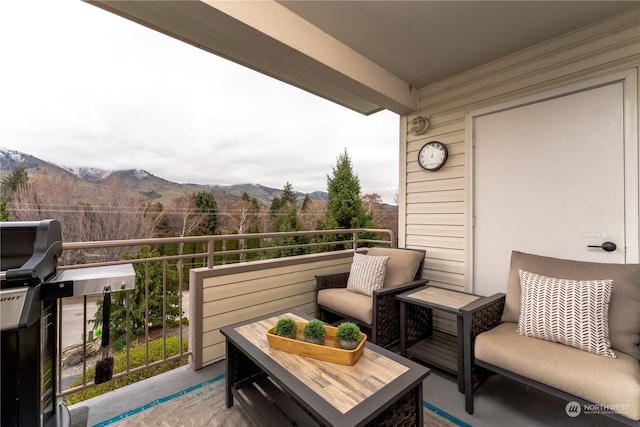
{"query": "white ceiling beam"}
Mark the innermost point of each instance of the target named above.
(361, 75)
(269, 38)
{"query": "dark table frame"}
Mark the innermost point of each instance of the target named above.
(246, 361)
(420, 341)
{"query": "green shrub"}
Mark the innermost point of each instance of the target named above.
(119, 344)
(314, 330)
(286, 327)
(163, 307)
(137, 358)
(348, 331)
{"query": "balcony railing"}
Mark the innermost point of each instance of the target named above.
(165, 263)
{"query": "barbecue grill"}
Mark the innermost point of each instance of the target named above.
(29, 289)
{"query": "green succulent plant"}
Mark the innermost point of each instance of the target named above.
(314, 331)
(286, 327)
(348, 331)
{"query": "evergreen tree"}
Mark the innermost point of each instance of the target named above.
(137, 299)
(305, 202)
(206, 202)
(285, 219)
(4, 213)
(162, 227)
(289, 222)
(345, 208)
(12, 182)
(276, 206)
(288, 196)
(281, 207)
(254, 202)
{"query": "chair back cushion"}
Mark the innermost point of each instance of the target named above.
(624, 307)
(402, 266)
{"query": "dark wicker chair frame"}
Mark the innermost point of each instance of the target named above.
(483, 317)
(384, 329)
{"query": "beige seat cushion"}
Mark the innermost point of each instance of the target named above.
(598, 379)
(624, 308)
(352, 304)
(401, 266)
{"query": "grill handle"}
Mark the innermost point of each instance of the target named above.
(106, 317)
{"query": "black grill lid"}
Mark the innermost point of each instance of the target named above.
(29, 251)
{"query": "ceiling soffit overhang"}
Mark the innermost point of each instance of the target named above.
(269, 38)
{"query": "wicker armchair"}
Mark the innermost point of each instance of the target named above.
(585, 377)
(377, 315)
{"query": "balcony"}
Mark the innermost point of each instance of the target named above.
(216, 288)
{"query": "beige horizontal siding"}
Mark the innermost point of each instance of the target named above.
(436, 219)
(438, 230)
(234, 293)
(442, 196)
(421, 185)
(435, 216)
(436, 207)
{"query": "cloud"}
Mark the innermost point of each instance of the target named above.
(83, 87)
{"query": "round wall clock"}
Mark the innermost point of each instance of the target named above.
(433, 155)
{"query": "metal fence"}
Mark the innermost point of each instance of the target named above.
(162, 265)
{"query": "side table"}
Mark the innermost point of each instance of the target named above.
(419, 340)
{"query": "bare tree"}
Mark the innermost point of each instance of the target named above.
(242, 217)
(312, 212)
(96, 213)
(374, 206)
(243, 214)
(53, 196)
(184, 218)
(184, 215)
(119, 214)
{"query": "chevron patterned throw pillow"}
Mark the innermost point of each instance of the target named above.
(571, 312)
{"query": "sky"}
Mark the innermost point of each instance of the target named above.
(82, 87)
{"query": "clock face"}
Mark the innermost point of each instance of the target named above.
(433, 155)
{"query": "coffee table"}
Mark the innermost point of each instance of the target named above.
(280, 388)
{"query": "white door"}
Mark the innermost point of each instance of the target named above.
(549, 179)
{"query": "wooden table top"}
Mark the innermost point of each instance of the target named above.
(329, 390)
(340, 385)
(445, 298)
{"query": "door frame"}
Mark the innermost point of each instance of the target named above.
(629, 78)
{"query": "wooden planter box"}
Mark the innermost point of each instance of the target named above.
(330, 351)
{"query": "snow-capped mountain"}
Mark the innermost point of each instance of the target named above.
(90, 174)
(142, 181)
(10, 159)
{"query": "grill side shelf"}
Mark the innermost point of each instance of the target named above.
(94, 280)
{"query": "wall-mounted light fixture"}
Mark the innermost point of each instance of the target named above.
(419, 125)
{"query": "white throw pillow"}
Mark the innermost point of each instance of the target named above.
(571, 312)
(367, 273)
